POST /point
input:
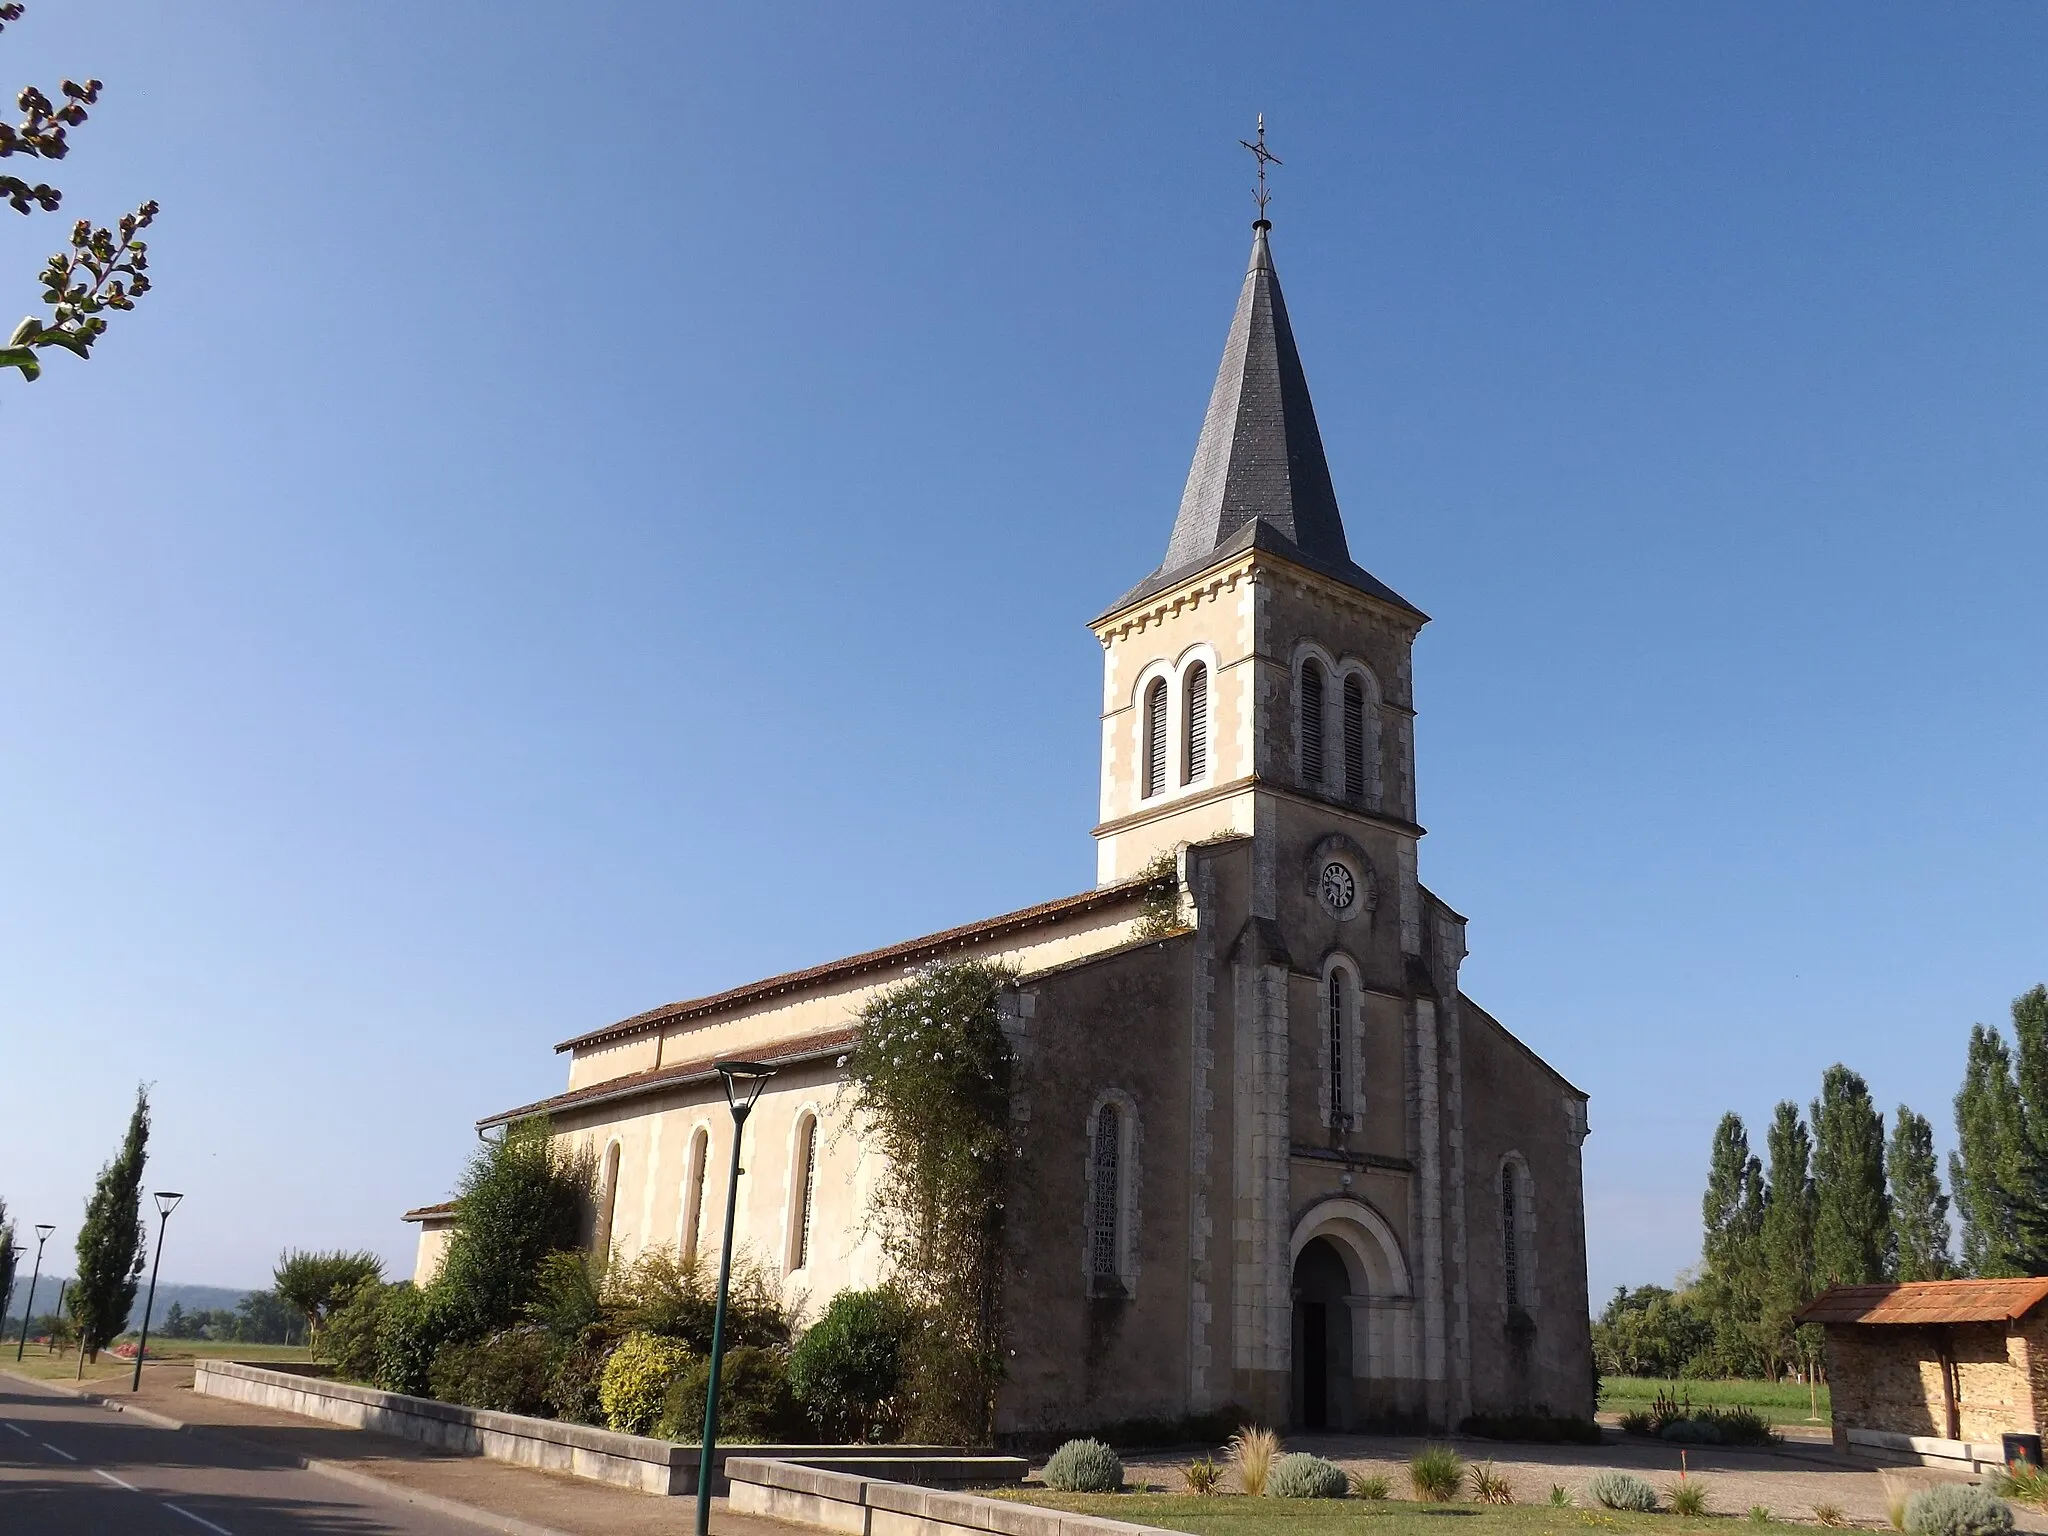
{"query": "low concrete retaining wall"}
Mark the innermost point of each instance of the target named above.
(629, 1461)
(863, 1506)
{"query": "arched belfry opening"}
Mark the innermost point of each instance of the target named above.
(1322, 1338)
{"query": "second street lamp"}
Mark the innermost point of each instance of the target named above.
(28, 1308)
(166, 1202)
(744, 1081)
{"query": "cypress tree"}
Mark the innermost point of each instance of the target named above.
(1733, 1213)
(1986, 1162)
(1919, 1208)
(111, 1241)
(1852, 1229)
(10, 1258)
(1787, 1241)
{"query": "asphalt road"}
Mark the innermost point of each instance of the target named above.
(70, 1467)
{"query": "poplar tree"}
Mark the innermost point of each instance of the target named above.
(1919, 1208)
(1787, 1238)
(1733, 1215)
(10, 1258)
(1986, 1163)
(1852, 1229)
(110, 1243)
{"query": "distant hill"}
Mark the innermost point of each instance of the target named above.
(193, 1298)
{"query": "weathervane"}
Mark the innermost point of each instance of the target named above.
(1265, 157)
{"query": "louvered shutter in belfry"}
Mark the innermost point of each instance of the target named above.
(1196, 760)
(1311, 724)
(1354, 740)
(1155, 738)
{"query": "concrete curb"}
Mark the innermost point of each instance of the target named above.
(369, 1482)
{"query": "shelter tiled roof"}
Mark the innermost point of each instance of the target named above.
(1923, 1302)
(911, 951)
(430, 1212)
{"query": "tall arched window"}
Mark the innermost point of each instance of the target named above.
(693, 1193)
(1339, 1118)
(1354, 739)
(1107, 1156)
(1510, 1235)
(804, 1191)
(1312, 723)
(607, 1204)
(1194, 760)
(1155, 738)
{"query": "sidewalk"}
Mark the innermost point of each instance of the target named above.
(494, 1494)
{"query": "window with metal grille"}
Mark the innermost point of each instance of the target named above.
(693, 1193)
(1102, 1255)
(1312, 723)
(807, 1166)
(1339, 1119)
(1155, 738)
(1354, 739)
(1510, 1219)
(1195, 760)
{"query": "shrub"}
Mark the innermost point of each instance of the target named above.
(574, 1383)
(847, 1370)
(1829, 1514)
(413, 1326)
(1374, 1486)
(1489, 1486)
(519, 1200)
(1302, 1476)
(1759, 1514)
(753, 1397)
(1687, 1496)
(565, 1298)
(1956, 1509)
(1084, 1466)
(1738, 1425)
(508, 1372)
(2018, 1481)
(1560, 1496)
(1637, 1422)
(1437, 1473)
(637, 1379)
(1252, 1451)
(316, 1284)
(348, 1342)
(1621, 1490)
(1700, 1431)
(1203, 1476)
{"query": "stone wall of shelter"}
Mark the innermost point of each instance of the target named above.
(1889, 1378)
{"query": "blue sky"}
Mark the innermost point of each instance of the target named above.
(604, 502)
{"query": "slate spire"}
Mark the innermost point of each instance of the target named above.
(1259, 477)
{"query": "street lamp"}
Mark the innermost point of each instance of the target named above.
(744, 1081)
(166, 1202)
(28, 1310)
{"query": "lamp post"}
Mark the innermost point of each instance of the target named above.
(744, 1081)
(28, 1308)
(166, 1202)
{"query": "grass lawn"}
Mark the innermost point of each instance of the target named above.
(1782, 1402)
(44, 1366)
(1236, 1515)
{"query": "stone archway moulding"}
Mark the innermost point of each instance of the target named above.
(1363, 1238)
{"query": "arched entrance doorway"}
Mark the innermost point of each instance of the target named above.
(1355, 1346)
(1322, 1338)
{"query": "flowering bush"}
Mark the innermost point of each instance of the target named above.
(637, 1378)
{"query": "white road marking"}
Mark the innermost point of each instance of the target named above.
(19, 1430)
(49, 1447)
(224, 1531)
(96, 1472)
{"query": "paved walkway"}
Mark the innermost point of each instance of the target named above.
(458, 1493)
(1791, 1481)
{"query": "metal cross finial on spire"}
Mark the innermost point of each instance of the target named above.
(1265, 157)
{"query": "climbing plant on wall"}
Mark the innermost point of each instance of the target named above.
(929, 1088)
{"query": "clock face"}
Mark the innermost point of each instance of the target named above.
(1339, 888)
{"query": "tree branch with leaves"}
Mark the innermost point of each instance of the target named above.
(103, 270)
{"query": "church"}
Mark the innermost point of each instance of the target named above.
(1272, 1159)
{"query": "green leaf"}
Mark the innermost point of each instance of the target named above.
(23, 358)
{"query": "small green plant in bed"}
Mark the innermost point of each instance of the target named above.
(1235, 1515)
(1302, 1476)
(1437, 1473)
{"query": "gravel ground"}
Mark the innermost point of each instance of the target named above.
(1791, 1482)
